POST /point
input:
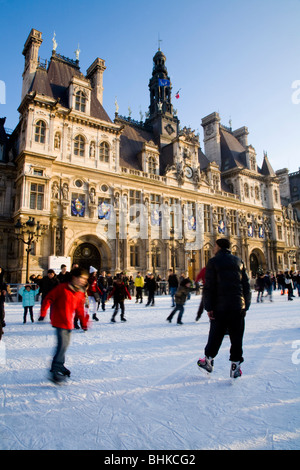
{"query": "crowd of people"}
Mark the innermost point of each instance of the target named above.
(74, 298)
(287, 282)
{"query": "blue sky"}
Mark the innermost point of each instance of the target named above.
(236, 57)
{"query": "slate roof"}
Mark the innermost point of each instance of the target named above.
(131, 144)
(54, 82)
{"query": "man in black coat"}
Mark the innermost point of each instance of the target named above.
(227, 297)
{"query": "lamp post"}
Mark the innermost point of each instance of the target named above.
(29, 232)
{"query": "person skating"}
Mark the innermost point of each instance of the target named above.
(227, 297)
(260, 287)
(66, 300)
(28, 294)
(3, 291)
(120, 293)
(94, 292)
(173, 285)
(139, 284)
(151, 287)
(181, 295)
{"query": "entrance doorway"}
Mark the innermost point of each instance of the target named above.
(87, 255)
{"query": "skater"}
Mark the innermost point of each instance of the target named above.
(65, 299)
(28, 294)
(151, 287)
(289, 285)
(181, 295)
(94, 293)
(103, 286)
(269, 285)
(260, 287)
(47, 283)
(173, 285)
(200, 277)
(64, 275)
(120, 293)
(227, 297)
(139, 284)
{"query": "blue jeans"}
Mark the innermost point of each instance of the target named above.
(63, 341)
(172, 291)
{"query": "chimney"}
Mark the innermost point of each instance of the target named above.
(212, 139)
(95, 75)
(241, 135)
(31, 53)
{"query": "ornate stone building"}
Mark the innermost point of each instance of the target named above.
(131, 195)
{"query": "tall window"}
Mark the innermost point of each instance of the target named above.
(152, 166)
(40, 132)
(233, 220)
(104, 152)
(37, 196)
(156, 257)
(79, 146)
(134, 255)
(206, 218)
(80, 101)
(134, 198)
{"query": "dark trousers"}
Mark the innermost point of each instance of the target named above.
(226, 322)
(150, 298)
(63, 341)
(200, 310)
(139, 294)
(118, 304)
(30, 312)
(178, 308)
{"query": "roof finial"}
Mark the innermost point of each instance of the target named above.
(77, 52)
(54, 47)
(159, 41)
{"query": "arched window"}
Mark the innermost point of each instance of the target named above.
(104, 152)
(152, 166)
(79, 143)
(40, 132)
(80, 101)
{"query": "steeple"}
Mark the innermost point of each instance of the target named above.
(160, 87)
(161, 117)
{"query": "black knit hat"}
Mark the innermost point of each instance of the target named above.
(223, 243)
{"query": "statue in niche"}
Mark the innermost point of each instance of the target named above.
(65, 192)
(57, 141)
(55, 190)
(92, 196)
(92, 150)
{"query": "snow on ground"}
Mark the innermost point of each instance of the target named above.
(136, 385)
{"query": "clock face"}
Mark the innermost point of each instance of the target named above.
(188, 172)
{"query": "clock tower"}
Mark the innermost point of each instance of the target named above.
(161, 115)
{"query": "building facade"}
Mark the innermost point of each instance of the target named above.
(132, 195)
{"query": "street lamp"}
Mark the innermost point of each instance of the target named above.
(29, 232)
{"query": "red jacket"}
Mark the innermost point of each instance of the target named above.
(93, 287)
(65, 302)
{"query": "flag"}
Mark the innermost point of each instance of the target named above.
(78, 207)
(177, 96)
(163, 82)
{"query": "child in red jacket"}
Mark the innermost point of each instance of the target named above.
(65, 299)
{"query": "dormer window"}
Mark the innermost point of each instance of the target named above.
(80, 102)
(152, 166)
(40, 132)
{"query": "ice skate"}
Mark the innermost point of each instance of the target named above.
(235, 370)
(57, 377)
(207, 363)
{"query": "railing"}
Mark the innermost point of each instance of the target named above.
(13, 295)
